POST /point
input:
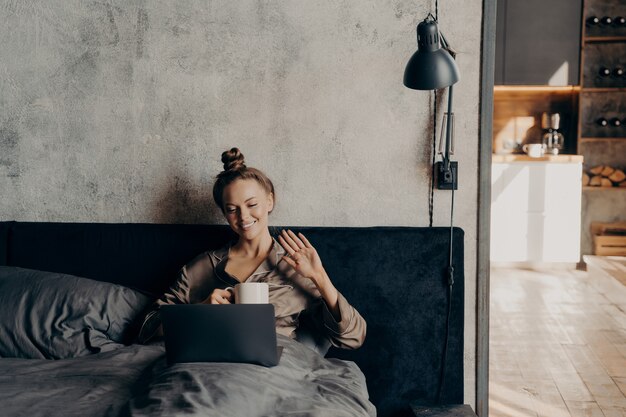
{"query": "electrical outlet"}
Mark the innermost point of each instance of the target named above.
(447, 180)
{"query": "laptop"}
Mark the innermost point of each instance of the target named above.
(242, 333)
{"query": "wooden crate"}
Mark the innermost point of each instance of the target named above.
(609, 239)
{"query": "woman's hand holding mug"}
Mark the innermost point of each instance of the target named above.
(242, 293)
(219, 296)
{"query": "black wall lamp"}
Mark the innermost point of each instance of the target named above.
(433, 67)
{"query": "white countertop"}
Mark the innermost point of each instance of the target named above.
(577, 159)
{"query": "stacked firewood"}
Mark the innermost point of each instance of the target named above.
(604, 176)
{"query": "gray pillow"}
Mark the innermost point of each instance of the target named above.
(55, 316)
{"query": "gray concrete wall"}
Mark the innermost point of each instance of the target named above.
(118, 111)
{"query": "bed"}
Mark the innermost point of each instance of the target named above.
(394, 276)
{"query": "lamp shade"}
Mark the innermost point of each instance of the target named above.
(431, 67)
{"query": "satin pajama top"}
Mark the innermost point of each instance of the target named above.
(291, 294)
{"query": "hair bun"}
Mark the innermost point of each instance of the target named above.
(233, 160)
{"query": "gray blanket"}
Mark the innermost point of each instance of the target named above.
(94, 385)
(135, 381)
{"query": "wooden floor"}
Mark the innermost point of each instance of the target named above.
(557, 344)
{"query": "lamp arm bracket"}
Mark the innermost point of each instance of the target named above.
(445, 45)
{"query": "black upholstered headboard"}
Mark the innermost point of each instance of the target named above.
(394, 276)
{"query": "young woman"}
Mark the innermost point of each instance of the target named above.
(299, 287)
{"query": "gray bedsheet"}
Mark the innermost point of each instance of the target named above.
(95, 385)
(135, 381)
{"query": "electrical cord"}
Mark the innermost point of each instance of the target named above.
(450, 270)
(431, 195)
(450, 284)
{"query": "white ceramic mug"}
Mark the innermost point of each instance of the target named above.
(251, 293)
(534, 150)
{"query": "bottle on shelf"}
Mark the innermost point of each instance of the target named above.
(615, 122)
(604, 72)
(606, 20)
(593, 21)
(619, 21)
(618, 72)
(602, 122)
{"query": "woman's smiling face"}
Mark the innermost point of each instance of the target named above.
(246, 207)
